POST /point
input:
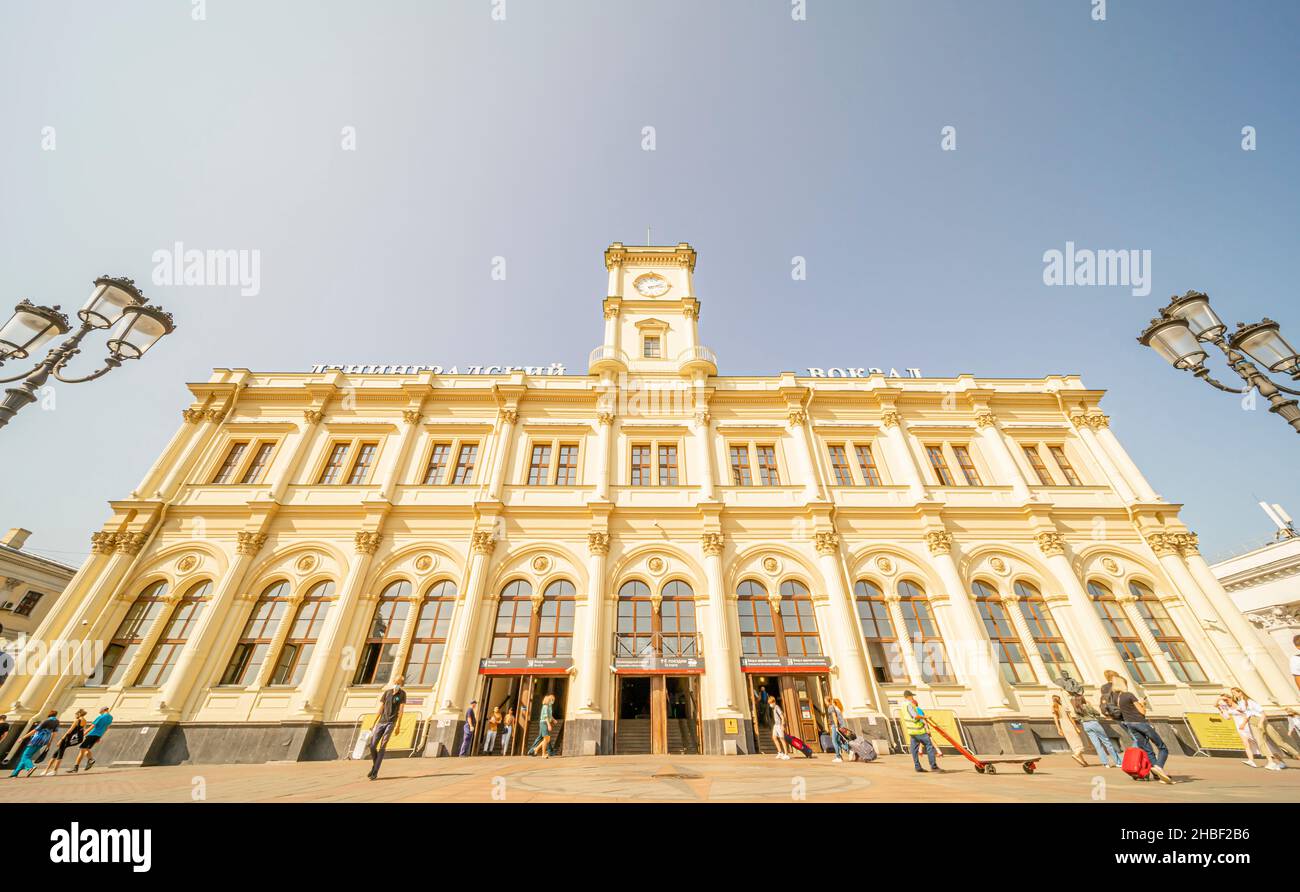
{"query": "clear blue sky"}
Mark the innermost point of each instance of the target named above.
(775, 138)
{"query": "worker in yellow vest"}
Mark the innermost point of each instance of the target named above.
(918, 733)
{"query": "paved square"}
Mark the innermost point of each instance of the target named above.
(654, 779)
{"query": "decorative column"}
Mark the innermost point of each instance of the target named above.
(1012, 603)
(1240, 648)
(461, 663)
(977, 662)
(505, 436)
(704, 452)
(1099, 645)
(798, 422)
(329, 649)
(721, 663)
(1100, 425)
(1089, 439)
(593, 667)
(893, 603)
(995, 443)
(901, 461)
(606, 420)
(181, 682)
(850, 661)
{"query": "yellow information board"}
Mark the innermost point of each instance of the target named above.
(403, 738)
(1214, 732)
(944, 718)
(732, 726)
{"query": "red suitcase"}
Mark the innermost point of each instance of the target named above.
(1137, 764)
(799, 745)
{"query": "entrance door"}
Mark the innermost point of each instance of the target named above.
(682, 715)
(810, 707)
(523, 694)
(802, 699)
(634, 731)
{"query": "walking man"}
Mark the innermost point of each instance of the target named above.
(391, 703)
(1133, 715)
(918, 733)
(98, 728)
(471, 724)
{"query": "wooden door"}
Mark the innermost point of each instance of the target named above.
(658, 715)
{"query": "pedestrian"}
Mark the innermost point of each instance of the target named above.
(1090, 719)
(507, 730)
(546, 721)
(1234, 712)
(35, 741)
(391, 704)
(1295, 661)
(76, 734)
(471, 725)
(1265, 734)
(98, 728)
(1067, 726)
(493, 725)
(835, 718)
(918, 733)
(778, 729)
(1133, 718)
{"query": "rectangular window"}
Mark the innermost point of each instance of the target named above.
(465, 464)
(641, 468)
(740, 475)
(1036, 462)
(667, 465)
(361, 467)
(539, 465)
(27, 604)
(258, 464)
(1067, 470)
(334, 465)
(227, 470)
(566, 470)
(967, 466)
(767, 472)
(867, 465)
(940, 465)
(652, 347)
(437, 470)
(840, 464)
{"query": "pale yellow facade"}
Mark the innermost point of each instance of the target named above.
(599, 518)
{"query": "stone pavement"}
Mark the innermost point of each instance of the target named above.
(654, 779)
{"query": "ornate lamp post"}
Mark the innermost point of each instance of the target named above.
(115, 304)
(1188, 323)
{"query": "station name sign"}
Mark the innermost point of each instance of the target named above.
(361, 368)
(658, 663)
(757, 663)
(847, 372)
(525, 664)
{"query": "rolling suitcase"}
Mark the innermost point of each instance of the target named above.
(1136, 764)
(862, 749)
(799, 745)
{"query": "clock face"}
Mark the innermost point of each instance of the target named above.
(651, 285)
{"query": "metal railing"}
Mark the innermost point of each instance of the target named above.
(643, 645)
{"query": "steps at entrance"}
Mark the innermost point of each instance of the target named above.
(764, 742)
(632, 737)
(682, 737)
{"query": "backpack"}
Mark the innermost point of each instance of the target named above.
(1110, 706)
(863, 749)
(1137, 764)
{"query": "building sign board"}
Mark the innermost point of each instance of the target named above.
(774, 664)
(658, 663)
(944, 718)
(1214, 732)
(554, 665)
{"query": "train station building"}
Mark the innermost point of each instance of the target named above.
(664, 548)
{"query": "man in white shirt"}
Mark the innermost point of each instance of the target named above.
(1295, 661)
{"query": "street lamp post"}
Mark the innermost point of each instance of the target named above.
(1188, 323)
(115, 304)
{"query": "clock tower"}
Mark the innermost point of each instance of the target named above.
(652, 315)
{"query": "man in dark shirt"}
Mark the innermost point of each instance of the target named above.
(391, 703)
(1133, 718)
(471, 722)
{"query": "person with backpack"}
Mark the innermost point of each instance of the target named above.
(75, 735)
(835, 718)
(918, 733)
(35, 741)
(1133, 716)
(1090, 719)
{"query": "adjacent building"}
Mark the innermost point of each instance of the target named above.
(1264, 583)
(29, 586)
(663, 548)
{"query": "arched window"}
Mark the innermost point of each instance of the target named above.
(430, 641)
(555, 622)
(923, 632)
(121, 649)
(677, 620)
(798, 624)
(514, 621)
(997, 625)
(878, 628)
(1121, 631)
(1047, 637)
(307, 623)
(635, 635)
(385, 635)
(259, 631)
(1161, 624)
(757, 631)
(174, 637)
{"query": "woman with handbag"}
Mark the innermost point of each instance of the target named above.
(1066, 726)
